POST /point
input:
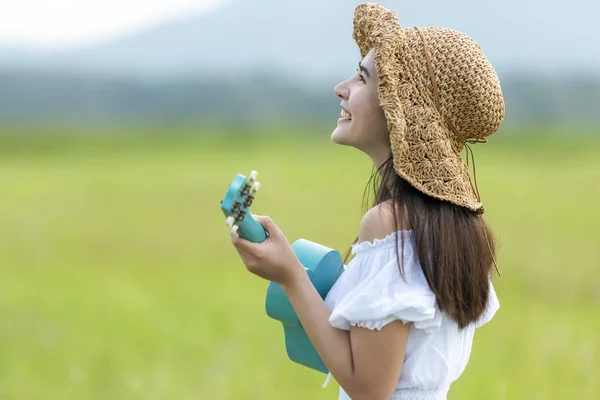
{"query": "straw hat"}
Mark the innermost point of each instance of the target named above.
(438, 92)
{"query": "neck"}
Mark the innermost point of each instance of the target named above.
(379, 156)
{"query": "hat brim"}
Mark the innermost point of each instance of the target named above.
(423, 154)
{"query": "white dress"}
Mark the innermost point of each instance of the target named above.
(371, 293)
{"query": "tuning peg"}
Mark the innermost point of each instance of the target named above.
(252, 177)
(229, 221)
(255, 187)
(233, 229)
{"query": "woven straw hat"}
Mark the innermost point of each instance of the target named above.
(438, 93)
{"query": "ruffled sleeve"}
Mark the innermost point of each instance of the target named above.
(372, 293)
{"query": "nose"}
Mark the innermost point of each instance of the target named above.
(341, 91)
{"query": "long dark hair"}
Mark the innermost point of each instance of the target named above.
(454, 245)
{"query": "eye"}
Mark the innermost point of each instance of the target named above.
(361, 77)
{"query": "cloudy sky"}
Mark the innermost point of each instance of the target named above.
(70, 23)
(539, 34)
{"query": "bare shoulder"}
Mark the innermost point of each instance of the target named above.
(378, 222)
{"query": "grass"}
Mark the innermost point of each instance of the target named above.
(119, 280)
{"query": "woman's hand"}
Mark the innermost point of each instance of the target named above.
(274, 259)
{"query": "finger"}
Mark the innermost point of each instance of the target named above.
(248, 260)
(248, 255)
(242, 244)
(267, 223)
(236, 240)
(234, 237)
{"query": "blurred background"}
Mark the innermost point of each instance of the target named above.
(122, 123)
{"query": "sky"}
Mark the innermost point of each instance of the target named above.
(544, 34)
(60, 24)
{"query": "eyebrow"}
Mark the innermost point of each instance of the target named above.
(360, 66)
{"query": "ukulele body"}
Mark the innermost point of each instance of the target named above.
(323, 266)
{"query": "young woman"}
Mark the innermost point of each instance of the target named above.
(399, 322)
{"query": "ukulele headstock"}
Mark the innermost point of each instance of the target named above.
(238, 199)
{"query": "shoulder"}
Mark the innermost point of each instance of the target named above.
(378, 222)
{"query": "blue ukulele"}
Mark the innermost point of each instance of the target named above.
(322, 264)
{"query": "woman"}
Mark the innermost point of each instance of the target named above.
(399, 322)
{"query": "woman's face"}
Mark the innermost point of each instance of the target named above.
(366, 127)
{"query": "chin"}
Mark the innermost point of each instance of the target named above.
(341, 135)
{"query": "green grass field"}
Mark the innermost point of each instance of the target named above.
(118, 280)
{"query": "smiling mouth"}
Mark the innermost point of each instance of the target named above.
(346, 115)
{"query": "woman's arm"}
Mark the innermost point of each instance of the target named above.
(366, 363)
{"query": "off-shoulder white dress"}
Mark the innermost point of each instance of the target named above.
(371, 293)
